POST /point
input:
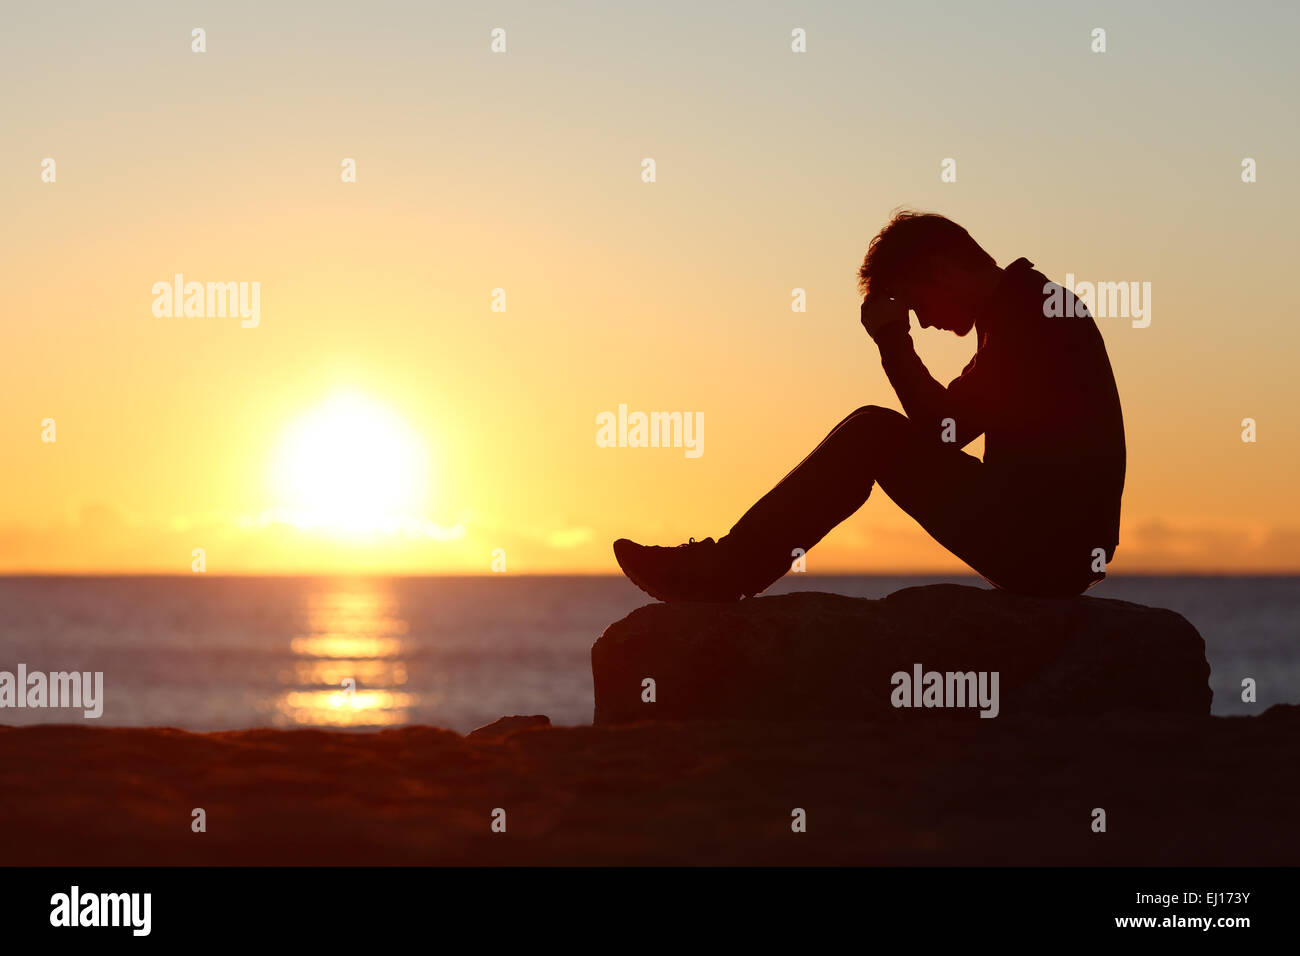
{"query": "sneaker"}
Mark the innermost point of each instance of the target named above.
(695, 571)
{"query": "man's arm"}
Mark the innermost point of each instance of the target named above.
(925, 401)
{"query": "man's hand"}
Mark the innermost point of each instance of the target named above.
(880, 311)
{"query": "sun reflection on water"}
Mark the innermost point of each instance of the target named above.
(347, 670)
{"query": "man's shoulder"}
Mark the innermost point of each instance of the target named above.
(1023, 278)
(1041, 296)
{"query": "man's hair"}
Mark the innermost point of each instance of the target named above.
(910, 244)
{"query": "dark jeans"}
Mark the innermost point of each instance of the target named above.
(998, 526)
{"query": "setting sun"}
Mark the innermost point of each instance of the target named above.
(350, 465)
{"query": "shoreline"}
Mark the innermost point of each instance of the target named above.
(1010, 791)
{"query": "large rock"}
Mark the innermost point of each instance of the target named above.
(816, 656)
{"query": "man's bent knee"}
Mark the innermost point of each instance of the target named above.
(876, 416)
(874, 422)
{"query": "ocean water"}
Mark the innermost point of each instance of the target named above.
(213, 653)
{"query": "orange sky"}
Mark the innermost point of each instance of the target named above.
(522, 171)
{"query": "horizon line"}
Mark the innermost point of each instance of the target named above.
(1180, 573)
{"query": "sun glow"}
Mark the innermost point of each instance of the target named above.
(351, 465)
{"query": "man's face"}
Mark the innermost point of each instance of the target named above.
(942, 302)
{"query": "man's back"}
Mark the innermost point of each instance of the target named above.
(1043, 390)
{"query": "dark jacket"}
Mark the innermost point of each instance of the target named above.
(1041, 391)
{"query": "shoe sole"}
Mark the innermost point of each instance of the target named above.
(618, 556)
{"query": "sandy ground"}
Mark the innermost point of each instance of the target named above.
(1004, 791)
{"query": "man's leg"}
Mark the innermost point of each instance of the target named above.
(937, 484)
(996, 527)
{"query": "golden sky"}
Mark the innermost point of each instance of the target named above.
(522, 171)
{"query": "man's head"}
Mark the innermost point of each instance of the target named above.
(933, 266)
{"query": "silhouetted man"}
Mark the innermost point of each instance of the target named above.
(1039, 515)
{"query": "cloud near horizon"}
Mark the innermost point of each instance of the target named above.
(99, 536)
